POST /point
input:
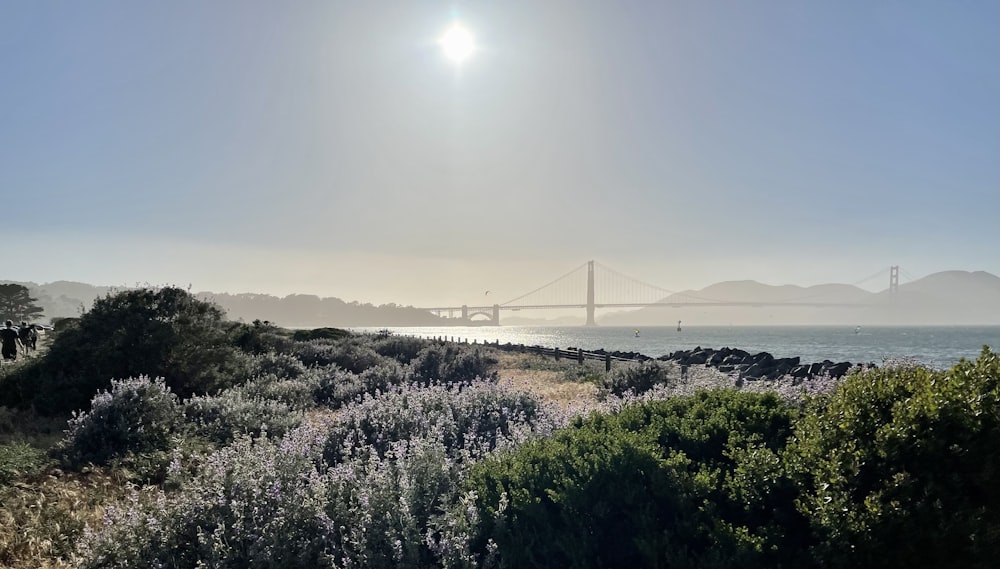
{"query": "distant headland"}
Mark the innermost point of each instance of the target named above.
(943, 298)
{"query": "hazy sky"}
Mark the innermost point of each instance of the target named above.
(330, 148)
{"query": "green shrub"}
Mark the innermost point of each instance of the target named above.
(280, 365)
(320, 334)
(138, 415)
(163, 332)
(403, 349)
(688, 482)
(352, 354)
(904, 461)
(18, 460)
(451, 363)
(259, 337)
(381, 378)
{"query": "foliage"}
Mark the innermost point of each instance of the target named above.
(430, 460)
(353, 354)
(636, 379)
(297, 393)
(904, 460)
(453, 363)
(688, 482)
(258, 337)
(221, 418)
(403, 349)
(320, 334)
(336, 387)
(16, 304)
(163, 332)
(284, 366)
(138, 415)
(470, 420)
(254, 504)
(18, 460)
(328, 494)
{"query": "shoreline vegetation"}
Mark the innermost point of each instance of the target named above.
(152, 432)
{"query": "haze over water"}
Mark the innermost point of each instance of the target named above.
(935, 346)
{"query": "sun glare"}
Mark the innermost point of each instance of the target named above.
(457, 43)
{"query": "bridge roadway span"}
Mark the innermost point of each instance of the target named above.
(493, 311)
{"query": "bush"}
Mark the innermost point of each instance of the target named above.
(636, 379)
(320, 334)
(163, 332)
(451, 363)
(336, 387)
(222, 418)
(254, 504)
(688, 482)
(18, 460)
(259, 337)
(469, 420)
(138, 415)
(401, 348)
(384, 377)
(296, 393)
(351, 354)
(904, 460)
(374, 501)
(284, 366)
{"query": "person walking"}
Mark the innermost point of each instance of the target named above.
(8, 341)
(26, 333)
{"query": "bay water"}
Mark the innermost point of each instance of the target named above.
(935, 346)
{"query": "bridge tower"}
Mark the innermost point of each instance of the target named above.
(590, 294)
(893, 283)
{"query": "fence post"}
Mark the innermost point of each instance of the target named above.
(557, 354)
(607, 362)
(579, 355)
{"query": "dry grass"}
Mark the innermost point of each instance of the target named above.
(565, 382)
(41, 518)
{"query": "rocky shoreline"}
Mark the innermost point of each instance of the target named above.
(747, 366)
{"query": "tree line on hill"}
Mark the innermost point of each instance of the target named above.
(64, 299)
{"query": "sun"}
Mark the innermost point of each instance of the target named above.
(457, 43)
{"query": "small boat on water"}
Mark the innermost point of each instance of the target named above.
(636, 333)
(678, 325)
(857, 329)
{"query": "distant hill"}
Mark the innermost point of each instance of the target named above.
(945, 298)
(311, 311)
(62, 299)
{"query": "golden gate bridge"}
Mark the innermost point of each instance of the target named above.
(593, 285)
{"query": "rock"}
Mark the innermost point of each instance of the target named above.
(799, 371)
(838, 369)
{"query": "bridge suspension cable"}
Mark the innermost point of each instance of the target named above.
(544, 286)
